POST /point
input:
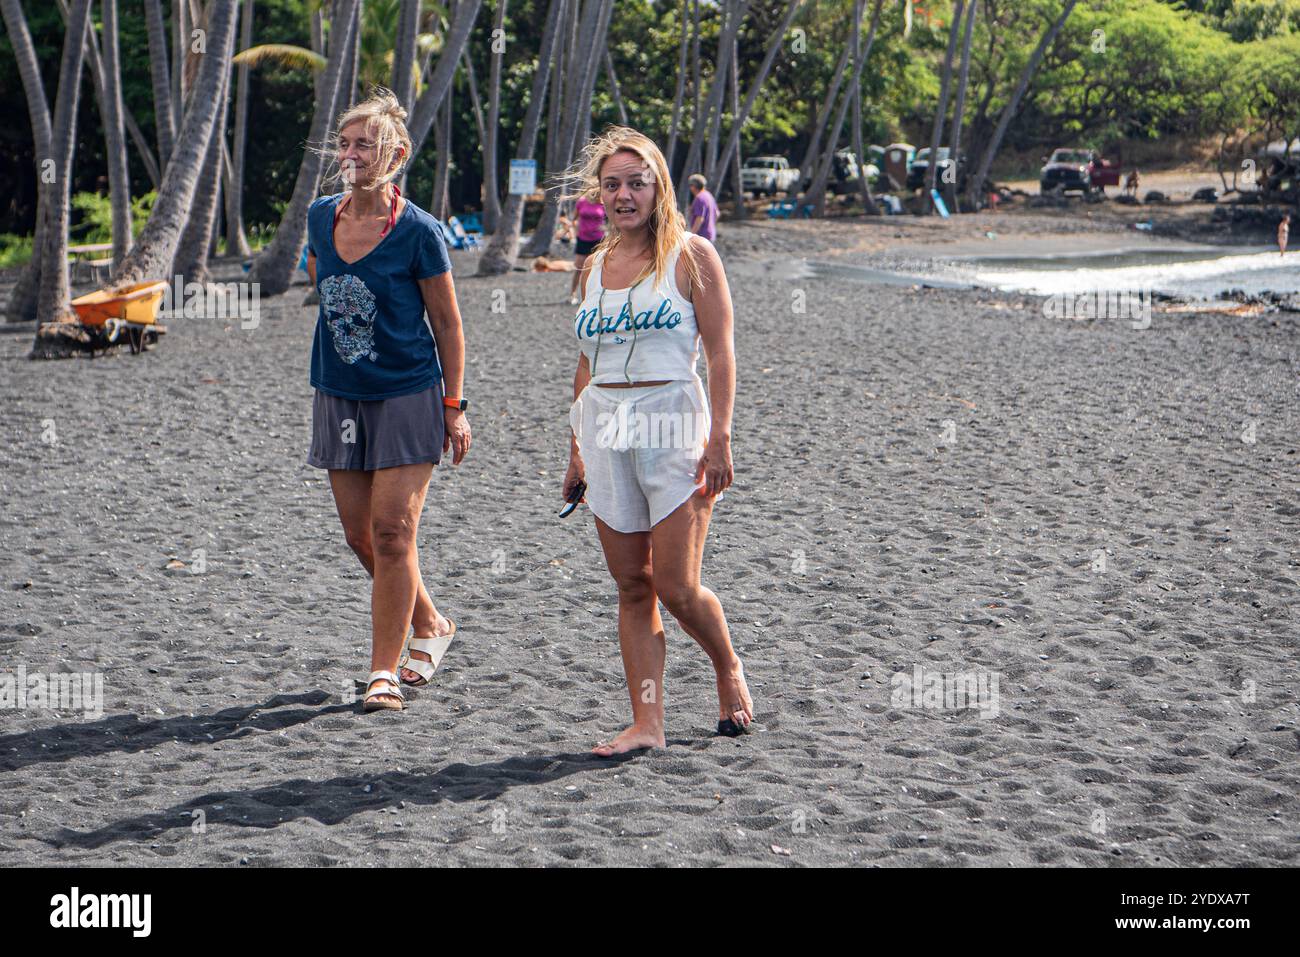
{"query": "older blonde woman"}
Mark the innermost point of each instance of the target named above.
(388, 381)
(652, 295)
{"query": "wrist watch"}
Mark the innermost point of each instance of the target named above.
(451, 403)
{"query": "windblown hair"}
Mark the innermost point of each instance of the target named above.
(667, 225)
(385, 120)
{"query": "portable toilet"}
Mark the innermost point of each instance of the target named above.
(898, 159)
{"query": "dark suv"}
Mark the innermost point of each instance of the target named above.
(1080, 171)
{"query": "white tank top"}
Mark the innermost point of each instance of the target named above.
(654, 338)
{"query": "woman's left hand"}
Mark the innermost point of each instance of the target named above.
(715, 467)
(456, 435)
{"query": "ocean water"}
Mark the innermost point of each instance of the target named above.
(1199, 272)
(1196, 273)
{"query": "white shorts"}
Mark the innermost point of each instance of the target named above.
(641, 447)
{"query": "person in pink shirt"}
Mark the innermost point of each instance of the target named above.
(591, 230)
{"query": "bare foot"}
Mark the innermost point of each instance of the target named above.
(632, 739)
(734, 703)
(441, 626)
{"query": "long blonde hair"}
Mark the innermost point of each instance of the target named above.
(385, 119)
(667, 226)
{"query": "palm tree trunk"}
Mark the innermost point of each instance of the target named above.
(55, 290)
(408, 29)
(22, 302)
(864, 184)
(119, 178)
(714, 103)
(613, 88)
(733, 13)
(164, 120)
(977, 184)
(695, 82)
(941, 108)
(817, 191)
(742, 211)
(317, 28)
(275, 266)
(426, 107)
(181, 21)
(191, 259)
(467, 63)
(812, 155)
(959, 108)
(347, 94)
(142, 147)
(596, 15)
(678, 93)
(499, 256)
(769, 58)
(236, 236)
(491, 191)
(156, 247)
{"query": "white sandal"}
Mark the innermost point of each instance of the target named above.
(435, 648)
(380, 699)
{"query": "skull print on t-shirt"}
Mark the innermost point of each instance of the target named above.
(350, 314)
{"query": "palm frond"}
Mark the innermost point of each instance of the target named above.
(281, 54)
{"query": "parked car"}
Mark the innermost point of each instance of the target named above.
(768, 175)
(920, 168)
(845, 173)
(1081, 171)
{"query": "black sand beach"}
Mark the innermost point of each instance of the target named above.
(1102, 519)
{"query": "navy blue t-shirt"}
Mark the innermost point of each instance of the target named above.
(373, 340)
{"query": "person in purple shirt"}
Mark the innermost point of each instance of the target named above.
(704, 209)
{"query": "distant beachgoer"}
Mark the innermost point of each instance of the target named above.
(388, 383)
(704, 209)
(1283, 233)
(564, 229)
(1131, 183)
(653, 295)
(591, 230)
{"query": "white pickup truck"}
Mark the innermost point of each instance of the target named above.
(768, 174)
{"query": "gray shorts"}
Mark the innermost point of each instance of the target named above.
(378, 434)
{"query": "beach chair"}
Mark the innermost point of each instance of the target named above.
(464, 239)
(780, 209)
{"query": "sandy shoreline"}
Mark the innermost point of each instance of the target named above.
(940, 479)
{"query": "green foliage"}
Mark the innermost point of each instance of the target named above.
(93, 216)
(14, 250)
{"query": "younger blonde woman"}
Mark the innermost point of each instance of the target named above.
(653, 450)
(388, 381)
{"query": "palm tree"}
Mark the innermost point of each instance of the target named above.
(596, 15)
(976, 184)
(274, 267)
(54, 291)
(408, 26)
(742, 114)
(236, 238)
(813, 153)
(22, 303)
(164, 122)
(191, 258)
(959, 108)
(817, 191)
(153, 252)
(735, 13)
(678, 92)
(119, 179)
(500, 253)
(941, 108)
(426, 106)
(491, 191)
